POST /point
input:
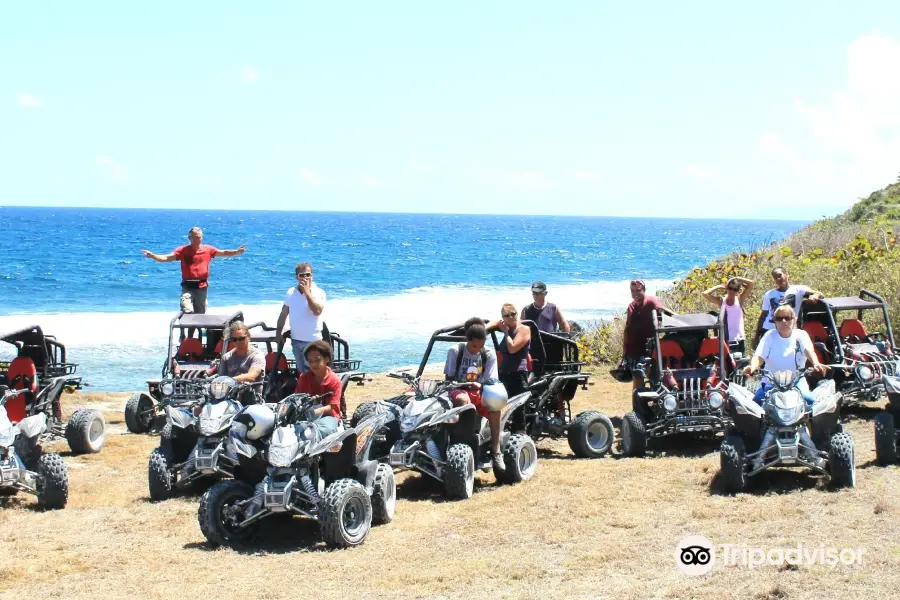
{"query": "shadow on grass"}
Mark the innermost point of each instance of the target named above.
(418, 488)
(775, 481)
(859, 412)
(279, 534)
(12, 500)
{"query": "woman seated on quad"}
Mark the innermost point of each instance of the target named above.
(784, 348)
(476, 365)
(318, 380)
(514, 348)
(243, 363)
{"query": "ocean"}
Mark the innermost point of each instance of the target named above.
(391, 279)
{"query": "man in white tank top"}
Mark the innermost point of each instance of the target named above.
(731, 306)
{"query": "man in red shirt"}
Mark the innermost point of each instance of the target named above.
(195, 258)
(639, 327)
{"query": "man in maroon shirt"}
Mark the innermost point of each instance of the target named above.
(195, 258)
(639, 327)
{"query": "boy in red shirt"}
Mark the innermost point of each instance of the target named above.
(320, 379)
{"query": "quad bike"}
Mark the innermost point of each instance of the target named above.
(686, 381)
(41, 372)
(23, 465)
(449, 443)
(887, 436)
(312, 471)
(193, 444)
(775, 433)
(184, 371)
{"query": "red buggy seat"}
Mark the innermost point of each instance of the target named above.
(817, 334)
(710, 347)
(190, 350)
(22, 376)
(218, 348)
(270, 362)
(672, 355)
(854, 330)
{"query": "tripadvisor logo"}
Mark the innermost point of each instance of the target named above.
(696, 555)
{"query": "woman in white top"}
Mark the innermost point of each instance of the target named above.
(732, 307)
(785, 348)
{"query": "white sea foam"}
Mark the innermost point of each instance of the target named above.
(384, 330)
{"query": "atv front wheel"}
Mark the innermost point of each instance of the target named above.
(86, 431)
(384, 496)
(139, 413)
(459, 472)
(591, 434)
(345, 516)
(217, 524)
(731, 456)
(634, 435)
(520, 457)
(159, 478)
(53, 481)
(843, 469)
(885, 440)
(362, 412)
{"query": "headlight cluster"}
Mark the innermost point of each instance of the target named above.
(670, 403)
(716, 399)
(167, 389)
(282, 456)
(408, 423)
(221, 386)
(865, 374)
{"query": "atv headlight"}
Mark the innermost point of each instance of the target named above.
(865, 374)
(670, 403)
(210, 426)
(283, 456)
(179, 417)
(221, 386)
(715, 400)
(408, 423)
(785, 416)
(167, 389)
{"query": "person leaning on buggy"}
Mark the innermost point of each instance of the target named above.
(639, 330)
(731, 306)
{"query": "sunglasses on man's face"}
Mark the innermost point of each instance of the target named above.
(239, 339)
(304, 274)
(507, 315)
(784, 318)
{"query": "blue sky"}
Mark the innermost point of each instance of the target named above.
(779, 109)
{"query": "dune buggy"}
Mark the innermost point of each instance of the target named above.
(686, 379)
(554, 378)
(40, 370)
(863, 364)
(184, 369)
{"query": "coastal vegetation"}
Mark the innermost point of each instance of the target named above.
(838, 256)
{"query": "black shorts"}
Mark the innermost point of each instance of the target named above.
(514, 382)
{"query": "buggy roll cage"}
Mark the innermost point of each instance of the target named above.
(201, 322)
(663, 323)
(48, 355)
(550, 353)
(829, 306)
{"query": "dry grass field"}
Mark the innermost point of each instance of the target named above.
(580, 529)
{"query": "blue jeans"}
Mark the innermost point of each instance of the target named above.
(327, 425)
(298, 347)
(761, 391)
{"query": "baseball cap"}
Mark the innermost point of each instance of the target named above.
(539, 287)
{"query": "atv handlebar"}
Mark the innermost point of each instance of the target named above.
(8, 394)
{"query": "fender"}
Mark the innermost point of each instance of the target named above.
(514, 404)
(446, 416)
(33, 425)
(179, 417)
(891, 384)
(49, 394)
(332, 440)
(365, 432)
(743, 401)
(826, 403)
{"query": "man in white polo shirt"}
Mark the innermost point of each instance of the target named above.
(304, 303)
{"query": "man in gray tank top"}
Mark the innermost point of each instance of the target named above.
(545, 315)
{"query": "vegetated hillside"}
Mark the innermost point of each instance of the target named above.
(838, 256)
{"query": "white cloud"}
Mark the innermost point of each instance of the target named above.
(312, 178)
(852, 141)
(111, 168)
(27, 100)
(368, 180)
(249, 75)
(589, 177)
(420, 167)
(696, 173)
(528, 180)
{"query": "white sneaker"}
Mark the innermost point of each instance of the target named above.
(498, 462)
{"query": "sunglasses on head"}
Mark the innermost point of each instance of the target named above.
(784, 318)
(239, 339)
